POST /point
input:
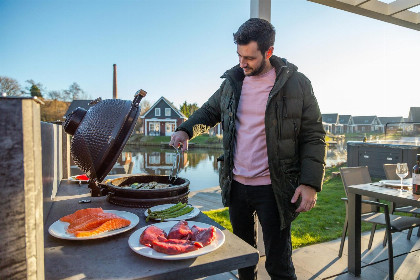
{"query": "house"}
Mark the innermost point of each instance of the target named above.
(347, 122)
(414, 116)
(331, 123)
(391, 123)
(366, 124)
(77, 103)
(162, 118)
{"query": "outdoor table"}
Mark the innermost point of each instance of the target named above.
(111, 257)
(355, 193)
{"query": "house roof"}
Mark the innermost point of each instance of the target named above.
(77, 103)
(385, 120)
(414, 114)
(363, 119)
(181, 115)
(399, 12)
(330, 118)
(344, 119)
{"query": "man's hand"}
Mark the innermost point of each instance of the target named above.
(179, 138)
(308, 195)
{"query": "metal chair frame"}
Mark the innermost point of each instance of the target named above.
(371, 214)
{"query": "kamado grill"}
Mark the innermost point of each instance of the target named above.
(99, 136)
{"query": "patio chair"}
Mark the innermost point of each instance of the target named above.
(370, 208)
(414, 211)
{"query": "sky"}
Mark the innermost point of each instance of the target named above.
(179, 49)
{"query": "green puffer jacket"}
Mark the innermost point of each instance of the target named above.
(293, 126)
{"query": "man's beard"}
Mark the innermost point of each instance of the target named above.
(258, 71)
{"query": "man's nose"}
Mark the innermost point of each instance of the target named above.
(242, 63)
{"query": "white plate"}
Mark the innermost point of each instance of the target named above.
(187, 216)
(58, 229)
(134, 243)
(397, 183)
(73, 179)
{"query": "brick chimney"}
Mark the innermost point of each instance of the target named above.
(114, 91)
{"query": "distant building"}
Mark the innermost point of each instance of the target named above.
(331, 123)
(414, 116)
(77, 103)
(347, 122)
(162, 118)
(366, 124)
(391, 123)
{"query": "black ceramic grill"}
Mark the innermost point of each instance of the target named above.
(100, 134)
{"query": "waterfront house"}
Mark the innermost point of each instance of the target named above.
(391, 123)
(366, 124)
(347, 122)
(331, 123)
(162, 118)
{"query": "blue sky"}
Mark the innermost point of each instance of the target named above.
(180, 48)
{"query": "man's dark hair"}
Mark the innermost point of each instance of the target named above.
(258, 30)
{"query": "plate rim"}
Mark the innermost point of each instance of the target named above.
(195, 210)
(135, 238)
(134, 219)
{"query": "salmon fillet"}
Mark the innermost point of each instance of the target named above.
(81, 213)
(90, 222)
(107, 226)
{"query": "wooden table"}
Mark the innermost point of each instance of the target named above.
(112, 258)
(355, 193)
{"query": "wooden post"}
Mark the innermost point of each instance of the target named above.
(261, 9)
(21, 226)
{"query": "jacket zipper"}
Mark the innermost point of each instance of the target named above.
(295, 136)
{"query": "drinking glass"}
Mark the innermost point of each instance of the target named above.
(402, 172)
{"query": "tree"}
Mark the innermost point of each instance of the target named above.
(56, 95)
(10, 87)
(144, 106)
(75, 92)
(188, 109)
(34, 89)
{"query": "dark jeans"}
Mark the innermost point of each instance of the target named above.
(248, 202)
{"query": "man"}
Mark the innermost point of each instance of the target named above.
(274, 145)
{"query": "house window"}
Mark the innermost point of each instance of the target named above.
(153, 128)
(154, 158)
(157, 112)
(167, 112)
(170, 127)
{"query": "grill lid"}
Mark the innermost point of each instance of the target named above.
(100, 134)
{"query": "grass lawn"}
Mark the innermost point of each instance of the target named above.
(322, 223)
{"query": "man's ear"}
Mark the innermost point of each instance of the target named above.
(269, 52)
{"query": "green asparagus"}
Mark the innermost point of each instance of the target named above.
(172, 212)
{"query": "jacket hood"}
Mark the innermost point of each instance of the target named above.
(278, 63)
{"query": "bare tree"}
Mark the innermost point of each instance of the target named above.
(56, 95)
(144, 106)
(75, 92)
(10, 87)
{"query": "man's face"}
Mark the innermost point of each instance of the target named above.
(251, 59)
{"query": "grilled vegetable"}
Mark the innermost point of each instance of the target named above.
(171, 212)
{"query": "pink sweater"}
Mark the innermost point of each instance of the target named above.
(250, 159)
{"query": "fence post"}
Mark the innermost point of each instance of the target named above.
(21, 225)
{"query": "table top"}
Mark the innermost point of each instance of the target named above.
(380, 191)
(111, 257)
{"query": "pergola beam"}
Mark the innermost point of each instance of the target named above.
(402, 5)
(396, 12)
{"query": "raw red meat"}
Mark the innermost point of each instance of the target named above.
(203, 235)
(151, 234)
(175, 246)
(181, 230)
